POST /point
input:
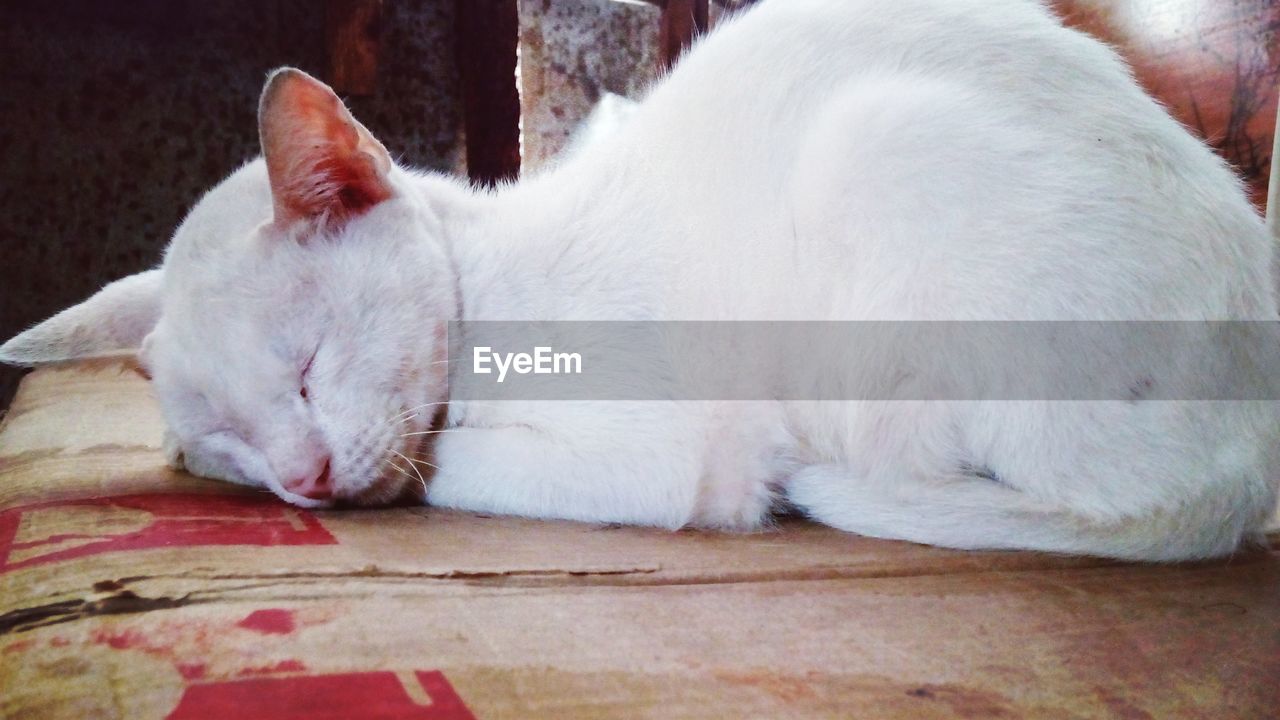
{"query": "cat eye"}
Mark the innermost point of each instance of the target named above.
(302, 388)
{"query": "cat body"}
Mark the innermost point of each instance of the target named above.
(811, 160)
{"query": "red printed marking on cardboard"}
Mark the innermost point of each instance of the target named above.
(269, 621)
(345, 696)
(138, 522)
(284, 666)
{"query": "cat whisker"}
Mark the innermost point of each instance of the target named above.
(417, 472)
(411, 413)
(406, 416)
(405, 473)
(428, 464)
(416, 408)
(430, 432)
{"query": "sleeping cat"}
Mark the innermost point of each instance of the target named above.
(810, 160)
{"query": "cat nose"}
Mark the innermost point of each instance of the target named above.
(315, 487)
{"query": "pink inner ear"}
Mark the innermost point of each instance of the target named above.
(320, 160)
(356, 187)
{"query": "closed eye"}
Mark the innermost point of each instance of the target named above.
(302, 384)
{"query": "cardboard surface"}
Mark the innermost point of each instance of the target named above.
(129, 591)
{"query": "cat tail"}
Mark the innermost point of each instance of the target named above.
(980, 514)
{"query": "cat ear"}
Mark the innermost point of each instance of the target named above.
(322, 163)
(116, 319)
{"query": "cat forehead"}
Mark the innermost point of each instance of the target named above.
(229, 212)
(212, 257)
(229, 257)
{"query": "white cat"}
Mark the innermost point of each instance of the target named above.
(812, 159)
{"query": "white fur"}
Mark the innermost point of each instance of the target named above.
(812, 159)
(609, 115)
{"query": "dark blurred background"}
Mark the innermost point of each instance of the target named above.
(115, 115)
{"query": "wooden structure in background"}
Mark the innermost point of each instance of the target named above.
(351, 30)
(682, 21)
(487, 39)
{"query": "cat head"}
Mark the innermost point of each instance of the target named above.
(295, 331)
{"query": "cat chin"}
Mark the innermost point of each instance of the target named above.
(382, 492)
(389, 492)
(299, 500)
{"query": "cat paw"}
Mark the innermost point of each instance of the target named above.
(173, 451)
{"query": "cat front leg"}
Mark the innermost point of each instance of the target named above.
(635, 465)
